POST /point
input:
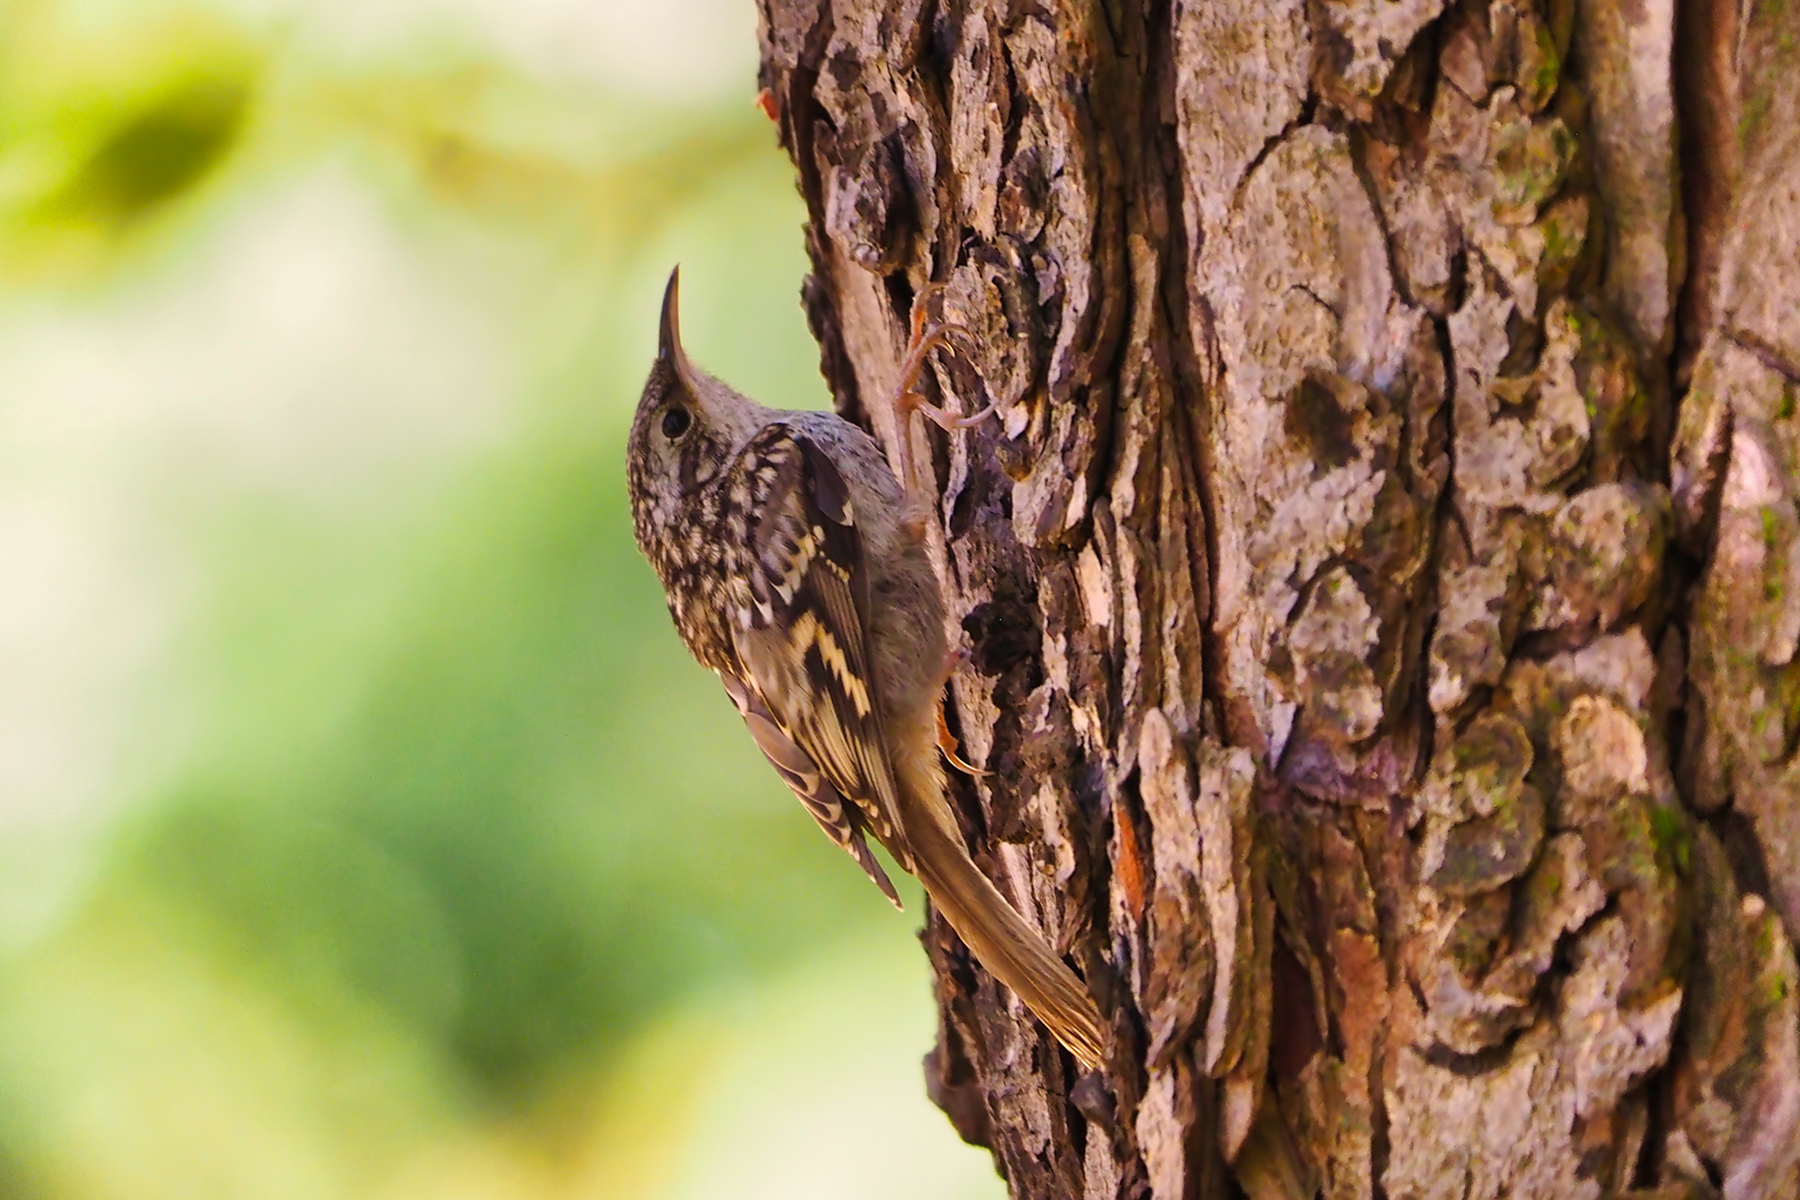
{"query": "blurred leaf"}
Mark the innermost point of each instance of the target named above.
(482, 141)
(159, 151)
(104, 123)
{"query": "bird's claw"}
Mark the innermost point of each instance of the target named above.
(926, 336)
(947, 744)
(946, 740)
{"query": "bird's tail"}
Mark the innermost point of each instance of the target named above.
(1014, 952)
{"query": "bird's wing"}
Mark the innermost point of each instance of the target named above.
(798, 770)
(798, 592)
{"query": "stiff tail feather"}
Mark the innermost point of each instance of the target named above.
(1012, 950)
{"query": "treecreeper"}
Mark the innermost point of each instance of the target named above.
(793, 558)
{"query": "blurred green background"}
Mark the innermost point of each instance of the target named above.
(364, 829)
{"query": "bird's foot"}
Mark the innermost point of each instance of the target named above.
(927, 335)
(947, 744)
(954, 660)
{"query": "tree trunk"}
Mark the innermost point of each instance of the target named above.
(1382, 579)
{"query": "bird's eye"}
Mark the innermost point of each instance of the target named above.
(675, 422)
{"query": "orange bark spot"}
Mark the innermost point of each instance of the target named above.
(1132, 869)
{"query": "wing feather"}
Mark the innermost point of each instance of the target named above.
(806, 781)
(799, 625)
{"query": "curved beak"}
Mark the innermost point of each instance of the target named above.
(669, 336)
(669, 343)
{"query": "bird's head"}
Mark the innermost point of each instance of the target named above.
(687, 428)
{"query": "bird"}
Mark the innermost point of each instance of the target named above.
(792, 556)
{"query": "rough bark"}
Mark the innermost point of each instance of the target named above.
(1382, 581)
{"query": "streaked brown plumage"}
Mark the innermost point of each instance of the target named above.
(794, 570)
